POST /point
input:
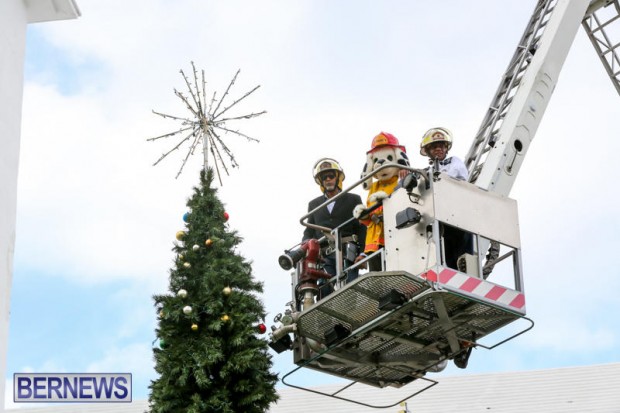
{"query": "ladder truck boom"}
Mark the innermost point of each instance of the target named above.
(516, 110)
(606, 46)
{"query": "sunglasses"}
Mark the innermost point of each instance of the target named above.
(327, 176)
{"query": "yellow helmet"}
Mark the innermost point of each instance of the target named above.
(435, 135)
(327, 164)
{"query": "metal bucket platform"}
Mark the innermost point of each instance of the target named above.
(390, 328)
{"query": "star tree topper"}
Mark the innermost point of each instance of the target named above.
(206, 123)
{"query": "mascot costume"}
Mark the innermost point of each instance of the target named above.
(384, 149)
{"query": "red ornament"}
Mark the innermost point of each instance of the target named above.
(261, 328)
(226, 216)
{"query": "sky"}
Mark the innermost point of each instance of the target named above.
(96, 220)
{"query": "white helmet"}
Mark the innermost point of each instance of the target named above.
(435, 135)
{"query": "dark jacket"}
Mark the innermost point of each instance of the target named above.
(342, 211)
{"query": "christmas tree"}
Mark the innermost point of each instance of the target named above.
(211, 357)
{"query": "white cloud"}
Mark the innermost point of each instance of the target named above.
(8, 396)
(130, 358)
(579, 337)
(135, 358)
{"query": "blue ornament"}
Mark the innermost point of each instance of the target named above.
(186, 217)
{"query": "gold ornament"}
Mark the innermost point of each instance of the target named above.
(225, 318)
(187, 265)
(208, 242)
(161, 314)
(194, 327)
(182, 293)
(196, 247)
(227, 290)
(180, 235)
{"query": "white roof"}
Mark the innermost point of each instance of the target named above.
(565, 390)
(48, 10)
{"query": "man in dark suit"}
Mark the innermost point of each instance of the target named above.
(329, 176)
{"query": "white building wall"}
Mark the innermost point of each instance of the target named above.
(13, 21)
(14, 18)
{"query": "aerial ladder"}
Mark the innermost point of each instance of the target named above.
(393, 327)
(502, 141)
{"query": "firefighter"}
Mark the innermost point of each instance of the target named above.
(328, 174)
(435, 144)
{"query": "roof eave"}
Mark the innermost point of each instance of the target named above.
(49, 10)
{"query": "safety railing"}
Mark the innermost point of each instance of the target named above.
(333, 235)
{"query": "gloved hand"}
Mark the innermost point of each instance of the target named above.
(358, 210)
(377, 196)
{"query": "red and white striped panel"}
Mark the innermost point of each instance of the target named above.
(478, 287)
